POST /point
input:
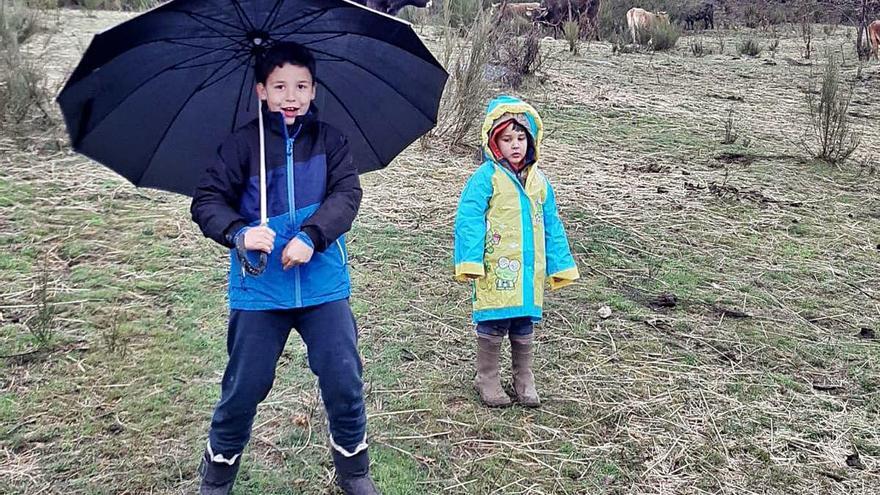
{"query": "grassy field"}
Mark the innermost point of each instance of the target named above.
(762, 377)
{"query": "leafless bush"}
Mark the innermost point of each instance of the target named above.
(571, 30)
(23, 92)
(730, 134)
(466, 58)
(520, 56)
(829, 137)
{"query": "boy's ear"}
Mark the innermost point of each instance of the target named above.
(261, 91)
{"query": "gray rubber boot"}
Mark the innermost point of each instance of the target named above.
(487, 383)
(522, 358)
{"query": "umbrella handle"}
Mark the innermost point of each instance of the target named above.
(245, 262)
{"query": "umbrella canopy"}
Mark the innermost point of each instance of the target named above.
(153, 97)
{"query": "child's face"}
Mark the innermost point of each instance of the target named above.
(289, 89)
(513, 145)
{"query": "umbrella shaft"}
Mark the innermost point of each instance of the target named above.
(263, 219)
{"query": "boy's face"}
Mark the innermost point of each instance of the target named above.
(289, 89)
(513, 145)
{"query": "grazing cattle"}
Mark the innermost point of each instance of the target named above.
(527, 10)
(874, 38)
(392, 7)
(585, 12)
(705, 13)
(640, 21)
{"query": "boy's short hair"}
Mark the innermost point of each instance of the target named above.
(517, 127)
(284, 52)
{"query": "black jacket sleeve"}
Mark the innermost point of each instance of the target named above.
(336, 213)
(216, 198)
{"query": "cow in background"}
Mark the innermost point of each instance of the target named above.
(527, 10)
(705, 13)
(874, 38)
(584, 12)
(641, 21)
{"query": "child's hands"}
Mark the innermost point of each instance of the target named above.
(259, 239)
(296, 252)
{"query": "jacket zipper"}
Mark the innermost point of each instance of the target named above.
(528, 265)
(291, 199)
(341, 252)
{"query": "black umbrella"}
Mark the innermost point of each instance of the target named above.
(153, 97)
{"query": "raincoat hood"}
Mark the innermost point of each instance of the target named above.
(504, 108)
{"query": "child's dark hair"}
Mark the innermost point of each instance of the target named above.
(517, 127)
(285, 52)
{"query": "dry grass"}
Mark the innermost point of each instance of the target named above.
(754, 382)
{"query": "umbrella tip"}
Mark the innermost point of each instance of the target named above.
(259, 42)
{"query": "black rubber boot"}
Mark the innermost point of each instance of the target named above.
(217, 477)
(353, 474)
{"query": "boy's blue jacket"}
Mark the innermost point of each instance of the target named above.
(313, 192)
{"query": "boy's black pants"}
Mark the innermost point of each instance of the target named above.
(254, 343)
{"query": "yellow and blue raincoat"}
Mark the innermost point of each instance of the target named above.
(508, 236)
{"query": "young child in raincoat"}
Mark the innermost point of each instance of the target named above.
(508, 241)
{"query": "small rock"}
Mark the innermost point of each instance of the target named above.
(854, 461)
(604, 312)
(665, 300)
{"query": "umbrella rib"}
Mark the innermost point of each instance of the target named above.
(324, 11)
(317, 15)
(328, 38)
(205, 84)
(154, 76)
(175, 41)
(239, 10)
(364, 134)
(284, 35)
(273, 14)
(203, 37)
(180, 110)
(199, 18)
(240, 92)
(207, 64)
(377, 76)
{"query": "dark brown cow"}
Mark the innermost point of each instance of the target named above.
(705, 13)
(392, 7)
(585, 12)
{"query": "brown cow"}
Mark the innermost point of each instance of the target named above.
(874, 38)
(640, 20)
(527, 10)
